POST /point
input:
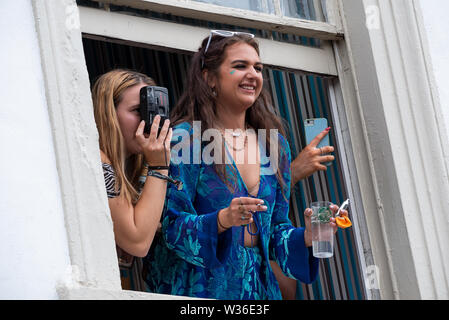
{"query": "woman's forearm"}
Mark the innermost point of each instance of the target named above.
(135, 227)
(148, 210)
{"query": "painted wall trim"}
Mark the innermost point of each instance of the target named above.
(86, 212)
(87, 293)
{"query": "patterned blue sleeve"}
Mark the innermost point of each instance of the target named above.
(192, 236)
(287, 245)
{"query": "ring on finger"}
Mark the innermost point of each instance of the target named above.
(243, 217)
(241, 207)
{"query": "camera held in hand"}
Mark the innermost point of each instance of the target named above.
(153, 101)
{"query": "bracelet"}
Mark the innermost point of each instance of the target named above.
(158, 167)
(219, 223)
(161, 176)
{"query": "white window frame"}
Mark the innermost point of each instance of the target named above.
(393, 110)
(88, 223)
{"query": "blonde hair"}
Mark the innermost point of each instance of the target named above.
(106, 95)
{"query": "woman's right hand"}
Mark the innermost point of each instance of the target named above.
(153, 145)
(239, 211)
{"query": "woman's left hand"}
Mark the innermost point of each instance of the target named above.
(311, 159)
(308, 223)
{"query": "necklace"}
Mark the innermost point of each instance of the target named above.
(235, 134)
(232, 144)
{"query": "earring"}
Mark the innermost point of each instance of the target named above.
(214, 92)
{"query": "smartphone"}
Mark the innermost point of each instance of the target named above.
(153, 101)
(312, 128)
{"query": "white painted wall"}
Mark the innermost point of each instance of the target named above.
(436, 23)
(33, 242)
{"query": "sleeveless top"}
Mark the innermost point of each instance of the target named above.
(109, 180)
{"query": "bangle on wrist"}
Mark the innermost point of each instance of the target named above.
(219, 223)
(158, 175)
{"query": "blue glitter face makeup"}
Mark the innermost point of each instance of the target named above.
(232, 72)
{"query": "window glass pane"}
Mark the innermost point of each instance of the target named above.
(253, 5)
(265, 34)
(301, 9)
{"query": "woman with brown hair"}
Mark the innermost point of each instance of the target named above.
(231, 217)
(136, 202)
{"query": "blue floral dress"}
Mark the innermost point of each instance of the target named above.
(192, 259)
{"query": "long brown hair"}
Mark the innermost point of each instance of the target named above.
(106, 95)
(198, 102)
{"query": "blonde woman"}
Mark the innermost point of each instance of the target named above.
(135, 201)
